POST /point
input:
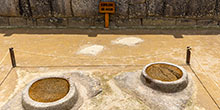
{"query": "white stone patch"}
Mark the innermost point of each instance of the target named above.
(114, 99)
(129, 41)
(91, 50)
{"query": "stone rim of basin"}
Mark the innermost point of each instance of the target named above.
(67, 102)
(166, 86)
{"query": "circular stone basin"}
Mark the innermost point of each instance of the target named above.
(164, 72)
(165, 76)
(50, 93)
(49, 89)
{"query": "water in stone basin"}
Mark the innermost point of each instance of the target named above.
(49, 89)
(164, 72)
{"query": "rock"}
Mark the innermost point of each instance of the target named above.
(52, 22)
(128, 22)
(87, 86)
(80, 22)
(155, 7)
(9, 8)
(31, 22)
(17, 21)
(159, 22)
(192, 8)
(137, 11)
(176, 8)
(121, 9)
(61, 8)
(4, 21)
(201, 8)
(137, 1)
(185, 22)
(25, 9)
(207, 23)
(99, 21)
(40, 8)
(85, 8)
(218, 10)
(135, 84)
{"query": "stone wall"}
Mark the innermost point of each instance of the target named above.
(129, 13)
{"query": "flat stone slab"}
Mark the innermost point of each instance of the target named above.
(134, 83)
(86, 85)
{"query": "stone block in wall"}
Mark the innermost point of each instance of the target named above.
(85, 8)
(17, 21)
(99, 21)
(137, 1)
(159, 22)
(122, 9)
(25, 10)
(201, 8)
(4, 21)
(128, 22)
(52, 22)
(9, 8)
(31, 22)
(185, 22)
(112, 21)
(207, 23)
(137, 11)
(61, 8)
(218, 10)
(40, 8)
(176, 8)
(155, 7)
(80, 22)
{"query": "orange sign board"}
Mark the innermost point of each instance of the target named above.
(107, 7)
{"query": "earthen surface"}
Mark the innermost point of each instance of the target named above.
(41, 52)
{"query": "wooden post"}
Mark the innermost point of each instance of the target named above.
(106, 20)
(12, 54)
(188, 55)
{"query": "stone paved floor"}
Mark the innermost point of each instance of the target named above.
(107, 54)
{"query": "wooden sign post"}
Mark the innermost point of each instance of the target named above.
(107, 8)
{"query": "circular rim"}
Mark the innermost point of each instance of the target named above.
(70, 98)
(167, 86)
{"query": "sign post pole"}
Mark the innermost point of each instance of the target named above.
(106, 20)
(107, 8)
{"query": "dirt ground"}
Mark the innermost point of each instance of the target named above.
(107, 53)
